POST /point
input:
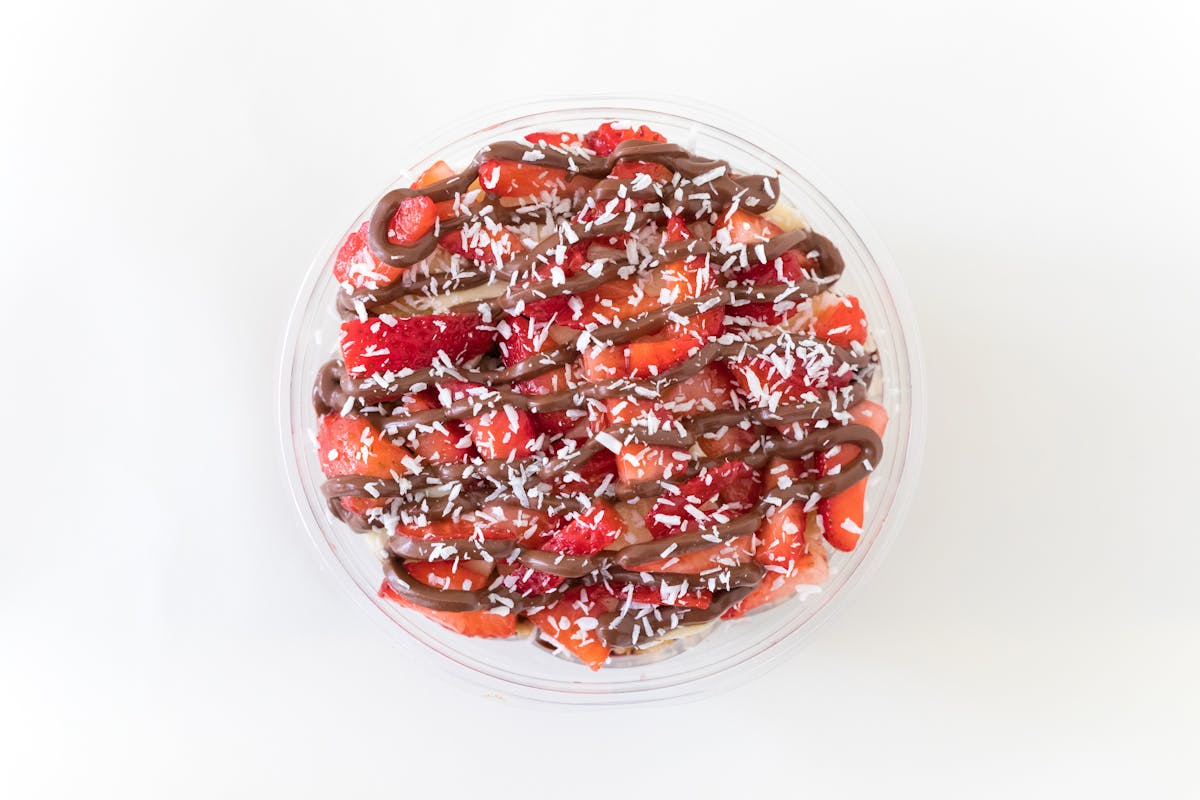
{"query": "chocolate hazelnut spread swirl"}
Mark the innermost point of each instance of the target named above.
(698, 192)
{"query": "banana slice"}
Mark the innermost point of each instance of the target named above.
(786, 217)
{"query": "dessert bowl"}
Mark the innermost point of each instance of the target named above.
(706, 658)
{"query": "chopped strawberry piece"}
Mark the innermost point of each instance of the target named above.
(811, 569)
(648, 462)
(734, 484)
(652, 595)
(616, 300)
(382, 344)
(628, 170)
(591, 474)
(605, 138)
(745, 228)
(444, 530)
(840, 320)
(649, 357)
(350, 446)
(483, 245)
(453, 575)
(527, 581)
(765, 382)
(440, 171)
(506, 433)
(726, 554)
(555, 138)
(357, 266)
(788, 268)
(414, 217)
(529, 181)
(710, 389)
(561, 622)
(442, 442)
(511, 521)
(782, 533)
(588, 533)
(483, 624)
(601, 364)
(842, 515)
(623, 411)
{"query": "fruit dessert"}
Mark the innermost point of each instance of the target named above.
(597, 391)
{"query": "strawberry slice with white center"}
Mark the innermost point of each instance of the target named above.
(383, 344)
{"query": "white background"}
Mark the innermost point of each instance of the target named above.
(168, 172)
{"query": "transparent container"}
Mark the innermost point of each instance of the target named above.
(730, 652)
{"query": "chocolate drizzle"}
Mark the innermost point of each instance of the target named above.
(698, 190)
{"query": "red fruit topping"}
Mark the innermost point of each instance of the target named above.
(483, 245)
(440, 442)
(483, 624)
(555, 138)
(506, 433)
(521, 179)
(842, 515)
(651, 357)
(746, 228)
(734, 484)
(357, 266)
(727, 554)
(350, 446)
(414, 217)
(782, 533)
(455, 575)
(653, 595)
(840, 320)
(588, 533)
(562, 623)
(605, 138)
(381, 344)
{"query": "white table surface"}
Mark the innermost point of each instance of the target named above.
(168, 170)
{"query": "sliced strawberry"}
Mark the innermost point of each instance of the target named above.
(455, 575)
(414, 217)
(742, 227)
(616, 300)
(440, 171)
(555, 138)
(483, 245)
(442, 442)
(652, 595)
(624, 411)
(561, 622)
(842, 515)
(601, 364)
(511, 521)
(444, 530)
(651, 356)
(811, 569)
(357, 266)
(727, 490)
(350, 446)
(588, 533)
(590, 475)
(628, 170)
(528, 180)
(483, 624)
(527, 581)
(506, 433)
(710, 389)
(726, 554)
(839, 319)
(648, 462)
(383, 344)
(782, 534)
(788, 268)
(607, 136)
(526, 338)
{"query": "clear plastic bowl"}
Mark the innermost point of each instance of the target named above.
(731, 652)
